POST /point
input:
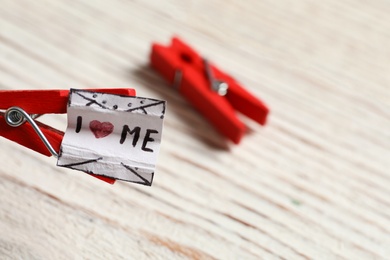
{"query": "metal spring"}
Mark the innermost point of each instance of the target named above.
(16, 116)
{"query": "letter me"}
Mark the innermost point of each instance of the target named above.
(136, 131)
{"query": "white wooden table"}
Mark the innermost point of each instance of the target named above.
(313, 183)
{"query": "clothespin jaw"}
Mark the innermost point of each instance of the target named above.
(41, 102)
(25, 135)
(185, 69)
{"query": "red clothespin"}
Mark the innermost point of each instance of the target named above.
(38, 102)
(212, 92)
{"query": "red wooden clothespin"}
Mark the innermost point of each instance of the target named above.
(111, 134)
(41, 102)
(215, 94)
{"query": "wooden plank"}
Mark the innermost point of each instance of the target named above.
(312, 184)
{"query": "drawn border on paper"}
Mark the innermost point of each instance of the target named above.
(148, 105)
(81, 163)
(140, 107)
(146, 182)
(91, 101)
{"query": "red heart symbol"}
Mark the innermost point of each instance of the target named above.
(101, 130)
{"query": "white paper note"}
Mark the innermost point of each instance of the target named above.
(112, 135)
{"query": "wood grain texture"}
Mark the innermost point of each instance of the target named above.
(312, 184)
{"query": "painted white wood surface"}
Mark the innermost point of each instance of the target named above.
(314, 183)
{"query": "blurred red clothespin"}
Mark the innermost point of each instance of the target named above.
(215, 94)
(22, 107)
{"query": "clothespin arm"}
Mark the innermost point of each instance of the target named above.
(213, 107)
(242, 100)
(46, 101)
(25, 135)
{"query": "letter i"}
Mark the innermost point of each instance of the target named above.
(79, 123)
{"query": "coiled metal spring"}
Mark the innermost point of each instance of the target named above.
(16, 116)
